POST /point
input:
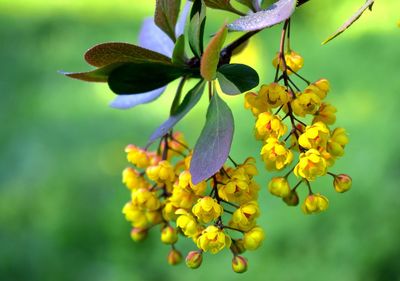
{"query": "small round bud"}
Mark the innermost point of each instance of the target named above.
(279, 186)
(239, 264)
(138, 234)
(169, 235)
(292, 199)
(342, 183)
(315, 203)
(253, 238)
(174, 257)
(194, 259)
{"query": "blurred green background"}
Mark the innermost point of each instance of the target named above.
(62, 149)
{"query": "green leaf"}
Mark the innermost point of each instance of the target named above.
(210, 58)
(113, 52)
(178, 55)
(276, 13)
(237, 78)
(213, 146)
(97, 75)
(350, 21)
(222, 5)
(190, 100)
(166, 16)
(196, 27)
(248, 3)
(133, 78)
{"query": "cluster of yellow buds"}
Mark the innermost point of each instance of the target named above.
(216, 214)
(278, 108)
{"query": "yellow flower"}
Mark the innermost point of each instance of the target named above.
(185, 181)
(337, 142)
(244, 217)
(342, 183)
(320, 88)
(207, 209)
(275, 155)
(169, 235)
(239, 264)
(133, 179)
(293, 60)
(187, 223)
(177, 145)
(144, 199)
(213, 239)
(255, 103)
(269, 125)
(315, 203)
(168, 210)
(162, 172)
(236, 187)
(311, 165)
(306, 103)
(249, 166)
(137, 156)
(279, 186)
(182, 198)
(274, 94)
(325, 114)
(315, 136)
(135, 216)
(253, 238)
(138, 234)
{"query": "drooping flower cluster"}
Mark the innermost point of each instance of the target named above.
(215, 214)
(278, 108)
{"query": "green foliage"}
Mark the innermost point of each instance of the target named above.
(197, 21)
(235, 79)
(166, 16)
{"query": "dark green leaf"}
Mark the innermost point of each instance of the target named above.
(190, 100)
(350, 21)
(133, 78)
(166, 16)
(178, 55)
(196, 27)
(237, 78)
(113, 52)
(210, 58)
(97, 75)
(213, 146)
(276, 13)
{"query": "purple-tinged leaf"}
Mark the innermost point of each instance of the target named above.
(235, 79)
(274, 14)
(166, 16)
(349, 22)
(190, 100)
(129, 101)
(97, 75)
(113, 52)
(213, 146)
(153, 38)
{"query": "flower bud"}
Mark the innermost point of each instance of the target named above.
(279, 186)
(315, 203)
(138, 234)
(239, 264)
(174, 257)
(169, 235)
(342, 183)
(292, 199)
(194, 259)
(253, 238)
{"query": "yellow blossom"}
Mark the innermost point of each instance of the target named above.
(249, 166)
(315, 203)
(325, 114)
(320, 88)
(337, 142)
(187, 223)
(274, 94)
(315, 136)
(207, 209)
(244, 217)
(137, 156)
(306, 103)
(213, 239)
(162, 172)
(275, 154)
(239, 264)
(255, 103)
(269, 125)
(342, 183)
(182, 197)
(293, 60)
(133, 179)
(311, 165)
(185, 181)
(169, 235)
(135, 216)
(279, 186)
(253, 238)
(145, 199)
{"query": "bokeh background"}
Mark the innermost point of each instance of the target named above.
(61, 149)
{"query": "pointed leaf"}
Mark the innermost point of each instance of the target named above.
(166, 16)
(222, 5)
(97, 75)
(196, 27)
(350, 21)
(108, 53)
(235, 79)
(133, 78)
(276, 13)
(190, 100)
(210, 58)
(153, 38)
(213, 146)
(178, 56)
(129, 101)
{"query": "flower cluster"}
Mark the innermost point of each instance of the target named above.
(278, 108)
(216, 214)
